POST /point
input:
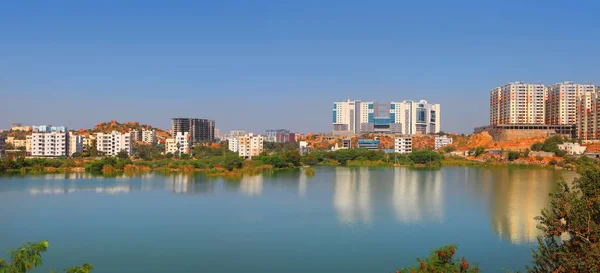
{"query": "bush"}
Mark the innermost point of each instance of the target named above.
(425, 157)
(539, 158)
(512, 155)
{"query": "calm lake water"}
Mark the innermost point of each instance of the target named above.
(340, 220)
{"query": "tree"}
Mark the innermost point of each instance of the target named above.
(571, 226)
(512, 155)
(232, 161)
(479, 151)
(425, 157)
(29, 256)
(123, 154)
(442, 260)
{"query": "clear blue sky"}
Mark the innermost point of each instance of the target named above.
(256, 65)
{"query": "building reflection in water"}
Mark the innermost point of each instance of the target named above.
(302, 184)
(417, 195)
(518, 196)
(251, 185)
(352, 196)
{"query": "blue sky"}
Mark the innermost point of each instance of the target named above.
(256, 65)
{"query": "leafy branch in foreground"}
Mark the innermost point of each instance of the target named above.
(29, 256)
(442, 260)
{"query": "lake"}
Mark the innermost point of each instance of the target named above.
(340, 220)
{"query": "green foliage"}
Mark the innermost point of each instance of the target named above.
(25, 258)
(309, 172)
(549, 145)
(123, 154)
(85, 268)
(526, 153)
(232, 161)
(479, 151)
(513, 155)
(442, 260)
(427, 157)
(571, 227)
(448, 149)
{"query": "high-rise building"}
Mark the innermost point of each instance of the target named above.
(113, 143)
(49, 129)
(250, 145)
(587, 116)
(199, 129)
(495, 102)
(405, 117)
(149, 136)
(75, 144)
(518, 103)
(233, 143)
(280, 136)
(561, 107)
(50, 144)
(217, 133)
(403, 144)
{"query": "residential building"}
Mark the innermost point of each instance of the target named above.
(75, 144)
(19, 127)
(572, 148)
(250, 145)
(518, 103)
(587, 116)
(233, 144)
(179, 144)
(2, 145)
(16, 143)
(369, 144)
(28, 143)
(199, 129)
(403, 144)
(405, 117)
(280, 136)
(49, 144)
(235, 134)
(88, 141)
(217, 133)
(49, 129)
(135, 135)
(304, 149)
(561, 107)
(495, 102)
(149, 136)
(112, 143)
(442, 141)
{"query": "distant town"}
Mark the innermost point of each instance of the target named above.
(518, 111)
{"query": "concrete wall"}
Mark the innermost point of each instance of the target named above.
(513, 134)
(540, 153)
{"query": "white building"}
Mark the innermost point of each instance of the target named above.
(233, 144)
(404, 117)
(304, 149)
(149, 136)
(561, 106)
(50, 144)
(250, 145)
(403, 144)
(572, 148)
(442, 141)
(518, 103)
(75, 144)
(178, 145)
(111, 144)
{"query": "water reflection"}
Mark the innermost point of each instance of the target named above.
(517, 197)
(417, 195)
(351, 196)
(251, 185)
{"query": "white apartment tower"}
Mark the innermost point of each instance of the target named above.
(50, 144)
(149, 136)
(250, 145)
(233, 144)
(346, 116)
(112, 143)
(518, 103)
(561, 107)
(587, 116)
(75, 144)
(403, 144)
(415, 117)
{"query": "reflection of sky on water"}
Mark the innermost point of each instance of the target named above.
(417, 196)
(352, 195)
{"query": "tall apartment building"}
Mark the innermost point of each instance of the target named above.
(405, 117)
(250, 145)
(28, 144)
(49, 144)
(233, 144)
(112, 143)
(75, 144)
(179, 144)
(561, 107)
(587, 116)
(149, 136)
(280, 136)
(403, 144)
(518, 103)
(199, 129)
(495, 102)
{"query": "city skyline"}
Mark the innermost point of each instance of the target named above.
(268, 64)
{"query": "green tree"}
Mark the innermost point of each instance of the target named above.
(123, 154)
(29, 256)
(427, 157)
(512, 155)
(232, 161)
(442, 260)
(571, 226)
(479, 151)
